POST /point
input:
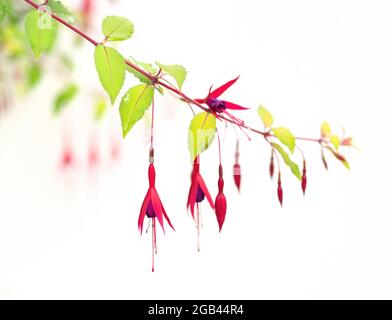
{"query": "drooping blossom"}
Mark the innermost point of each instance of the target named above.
(198, 190)
(152, 206)
(197, 193)
(153, 209)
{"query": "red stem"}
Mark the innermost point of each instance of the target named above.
(155, 79)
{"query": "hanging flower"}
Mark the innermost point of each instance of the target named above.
(198, 190)
(152, 206)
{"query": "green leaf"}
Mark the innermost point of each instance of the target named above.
(64, 98)
(60, 10)
(117, 28)
(145, 66)
(335, 140)
(265, 116)
(325, 129)
(41, 31)
(287, 160)
(33, 75)
(3, 9)
(134, 104)
(100, 109)
(285, 136)
(201, 133)
(110, 66)
(176, 71)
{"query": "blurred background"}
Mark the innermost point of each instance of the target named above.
(71, 188)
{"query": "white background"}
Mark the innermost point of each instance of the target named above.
(306, 61)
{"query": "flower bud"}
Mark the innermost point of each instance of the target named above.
(304, 178)
(280, 191)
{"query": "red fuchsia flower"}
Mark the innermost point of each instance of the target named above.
(152, 208)
(217, 105)
(198, 190)
(220, 201)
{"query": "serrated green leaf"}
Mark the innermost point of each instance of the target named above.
(100, 109)
(325, 129)
(286, 137)
(134, 104)
(64, 97)
(201, 133)
(117, 28)
(41, 31)
(176, 71)
(3, 9)
(265, 116)
(60, 10)
(287, 160)
(335, 140)
(110, 66)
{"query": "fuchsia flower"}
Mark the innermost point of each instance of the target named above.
(220, 201)
(217, 105)
(198, 190)
(152, 206)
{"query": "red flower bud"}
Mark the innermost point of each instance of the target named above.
(272, 166)
(280, 191)
(220, 209)
(304, 178)
(237, 175)
(324, 160)
(220, 201)
(237, 167)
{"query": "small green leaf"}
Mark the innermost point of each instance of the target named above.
(60, 10)
(134, 104)
(325, 129)
(110, 66)
(117, 28)
(146, 67)
(286, 158)
(335, 140)
(100, 109)
(176, 71)
(41, 31)
(285, 136)
(64, 98)
(3, 9)
(265, 116)
(201, 133)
